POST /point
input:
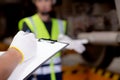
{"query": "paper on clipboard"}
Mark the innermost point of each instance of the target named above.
(45, 51)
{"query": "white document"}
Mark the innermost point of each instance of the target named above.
(46, 49)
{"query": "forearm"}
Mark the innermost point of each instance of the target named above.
(8, 62)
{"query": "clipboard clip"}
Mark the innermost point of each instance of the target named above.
(47, 40)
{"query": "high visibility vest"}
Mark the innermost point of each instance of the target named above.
(37, 26)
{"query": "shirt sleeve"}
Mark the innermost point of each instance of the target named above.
(26, 28)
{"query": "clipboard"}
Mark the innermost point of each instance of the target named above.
(46, 50)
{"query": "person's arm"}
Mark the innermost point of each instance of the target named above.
(77, 45)
(8, 62)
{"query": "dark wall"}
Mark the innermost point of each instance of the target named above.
(12, 14)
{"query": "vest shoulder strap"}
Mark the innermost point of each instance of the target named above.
(29, 21)
(62, 26)
(20, 24)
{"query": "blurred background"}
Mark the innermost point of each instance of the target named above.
(95, 20)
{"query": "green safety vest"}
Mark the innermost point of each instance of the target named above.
(37, 26)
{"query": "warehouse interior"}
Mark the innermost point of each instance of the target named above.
(98, 21)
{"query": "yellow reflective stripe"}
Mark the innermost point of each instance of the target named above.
(28, 22)
(57, 55)
(55, 33)
(52, 75)
(55, 29)
(55, 37)
(41, 28)
(65, 26)
(33, 25)
(20, 24)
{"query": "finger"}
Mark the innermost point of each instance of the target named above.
(21, 33)
(83, 41)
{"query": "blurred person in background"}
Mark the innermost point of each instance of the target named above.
(44, 26)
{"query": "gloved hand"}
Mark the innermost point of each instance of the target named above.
(26, 44)
(76, 45)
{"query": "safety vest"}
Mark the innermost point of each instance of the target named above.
(37, 26)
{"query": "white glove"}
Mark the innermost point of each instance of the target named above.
(77, 45)
(26, 44)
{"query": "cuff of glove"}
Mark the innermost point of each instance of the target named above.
(20, 52)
